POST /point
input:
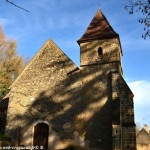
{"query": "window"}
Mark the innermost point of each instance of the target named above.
(100, 51)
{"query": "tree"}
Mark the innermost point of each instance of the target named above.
(11, 64)
(143, 7)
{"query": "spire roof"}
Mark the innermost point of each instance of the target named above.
(99, 28)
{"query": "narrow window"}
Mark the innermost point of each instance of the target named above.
(100, 51)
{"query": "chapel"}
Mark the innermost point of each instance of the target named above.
(58, 105)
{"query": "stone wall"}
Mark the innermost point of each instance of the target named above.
(124, 136)
(128, 129)
(97, 90)
(45, 91)
(143, 147)
(98, 105)
(80, 105)
(143, 139)
(111, 52)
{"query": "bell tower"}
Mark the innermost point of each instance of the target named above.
(100, 43)
(108, 99)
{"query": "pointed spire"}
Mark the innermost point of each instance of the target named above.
(99, 28)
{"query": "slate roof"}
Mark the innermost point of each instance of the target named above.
(99, 28)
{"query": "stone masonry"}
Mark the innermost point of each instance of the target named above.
(89, 106)
(143, 138)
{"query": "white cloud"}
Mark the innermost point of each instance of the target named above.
(141, 90)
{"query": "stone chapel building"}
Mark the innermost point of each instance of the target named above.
(54, 103)
(143, 138)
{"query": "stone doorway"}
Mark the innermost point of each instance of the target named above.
(41, 131)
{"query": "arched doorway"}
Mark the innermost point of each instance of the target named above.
(41, 131)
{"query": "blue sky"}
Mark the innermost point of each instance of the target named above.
(65, 21)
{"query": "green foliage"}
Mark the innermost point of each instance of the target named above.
(1, 136)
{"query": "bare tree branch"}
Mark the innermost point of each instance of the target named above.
(142, 6)
(16, 5)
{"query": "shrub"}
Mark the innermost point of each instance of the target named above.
(1, 136)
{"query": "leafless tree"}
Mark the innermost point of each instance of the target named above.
(143, 7)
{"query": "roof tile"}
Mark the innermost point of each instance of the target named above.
(99, 28)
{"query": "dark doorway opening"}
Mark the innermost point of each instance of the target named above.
(41, 131)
